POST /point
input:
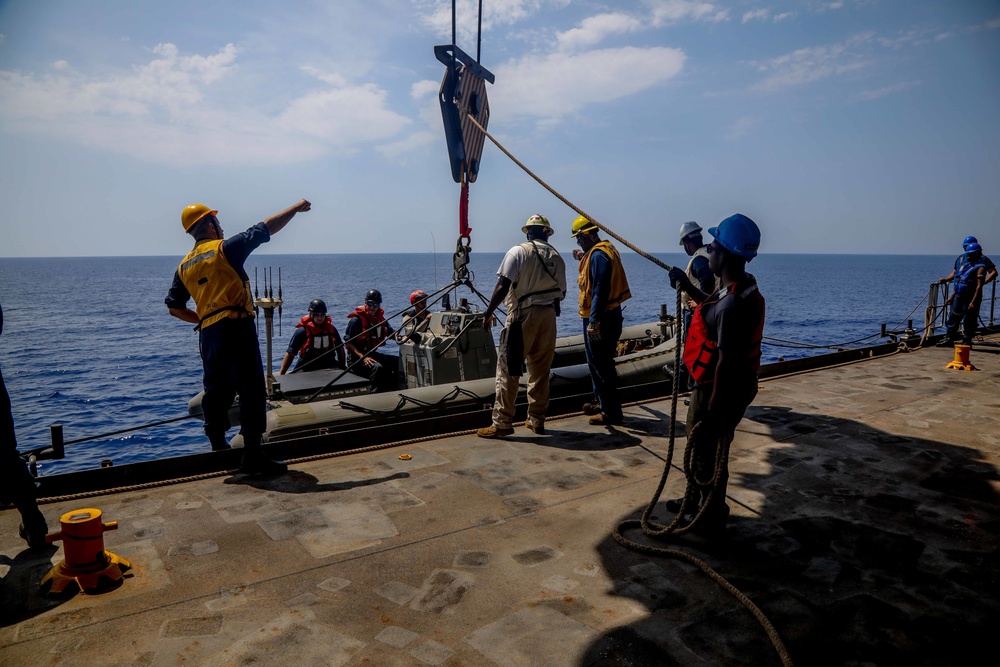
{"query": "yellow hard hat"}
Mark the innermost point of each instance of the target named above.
(581, 225)
(193, 213)
(537, 221)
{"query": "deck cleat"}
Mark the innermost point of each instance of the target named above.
(87, 564)
(961, 361)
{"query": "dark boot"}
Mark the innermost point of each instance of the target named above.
(947, 341)
(674, 505)
(712, 524)
(219, 443)
(33, 528)
(217, 439)
(256, 463)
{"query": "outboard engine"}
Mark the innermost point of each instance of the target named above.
(451, 346)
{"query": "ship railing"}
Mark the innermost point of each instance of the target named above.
(936, 315)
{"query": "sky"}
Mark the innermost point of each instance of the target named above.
(847, 126)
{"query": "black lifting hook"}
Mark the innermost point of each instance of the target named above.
(462, 94)
(461, 259)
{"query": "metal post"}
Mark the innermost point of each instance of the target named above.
(56, 432)
(993, 301)
(268, 303)
(269, 319)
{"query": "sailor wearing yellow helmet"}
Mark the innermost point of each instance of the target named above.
(531, 281)
(603, 289)
(212, 273)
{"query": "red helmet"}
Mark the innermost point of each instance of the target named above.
(417, 295)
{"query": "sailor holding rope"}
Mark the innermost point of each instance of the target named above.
(722, 354)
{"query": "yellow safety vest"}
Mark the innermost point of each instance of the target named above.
(619, 291)
(217, 289)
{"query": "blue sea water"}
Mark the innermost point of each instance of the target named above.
(88, 342)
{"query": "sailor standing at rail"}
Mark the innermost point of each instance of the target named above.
(722, 353)
(531, 281)
(991, 268)
(603, 289)
(212, 273)
(965, 301)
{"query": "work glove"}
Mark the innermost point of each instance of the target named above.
(678, 279)
(594, 331)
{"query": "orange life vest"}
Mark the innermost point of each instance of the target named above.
(319, 338)
(700, 348)
(372, 334)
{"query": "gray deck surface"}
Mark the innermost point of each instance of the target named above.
(865, 527)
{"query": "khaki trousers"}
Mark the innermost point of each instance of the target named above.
(538, 325)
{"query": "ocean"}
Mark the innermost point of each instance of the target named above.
(88, 343)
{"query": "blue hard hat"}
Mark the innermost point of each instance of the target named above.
(739, 235)
(973, 248)
(968, 240)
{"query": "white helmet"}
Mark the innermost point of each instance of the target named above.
(537, 221)
(689, 228)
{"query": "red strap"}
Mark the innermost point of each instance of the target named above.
(463, 212)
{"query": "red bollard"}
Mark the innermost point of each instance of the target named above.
(86, 563)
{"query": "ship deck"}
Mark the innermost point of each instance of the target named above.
(865, 525)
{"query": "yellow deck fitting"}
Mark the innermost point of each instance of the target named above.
(86, 564)
(961, 361)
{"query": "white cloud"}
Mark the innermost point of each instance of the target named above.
(756, 15)
(436, 15)
(887, 90)
(812, 64)
(416, 141)
(421, 89)
(163, 111)
(428, 129)
(742, 127)
(60, 65)
(783, 16)
(343, 116)
(559, 84)
(594, 29)
(992, 25)
(670, 12)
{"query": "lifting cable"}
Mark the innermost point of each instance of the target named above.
(573, 206)
(722, 453)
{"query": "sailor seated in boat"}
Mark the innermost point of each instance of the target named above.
(415, 319)
(367, 330)
(316, 342)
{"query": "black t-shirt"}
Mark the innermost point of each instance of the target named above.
(735, 322)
